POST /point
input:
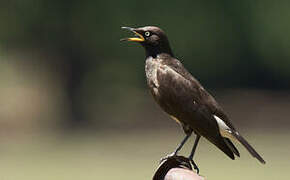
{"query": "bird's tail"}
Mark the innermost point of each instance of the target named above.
(251, 150)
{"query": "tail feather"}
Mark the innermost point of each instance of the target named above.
(251, 150)
(221, 144)
(232, 146)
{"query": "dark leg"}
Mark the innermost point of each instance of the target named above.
(192, 153)
(182, 143)
(178, 147)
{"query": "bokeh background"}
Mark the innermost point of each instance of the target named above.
(74, 103)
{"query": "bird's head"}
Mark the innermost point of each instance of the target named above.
(152, 38)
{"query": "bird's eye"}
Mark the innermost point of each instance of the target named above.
(147, 33)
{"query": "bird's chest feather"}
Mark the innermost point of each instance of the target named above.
(151, 68)
(161, 83)
(170, 89)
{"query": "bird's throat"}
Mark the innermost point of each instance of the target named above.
(154, 51)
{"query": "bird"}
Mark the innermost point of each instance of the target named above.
(184, 99)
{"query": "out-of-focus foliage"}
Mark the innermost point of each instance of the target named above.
(238, 42)
(73, 48)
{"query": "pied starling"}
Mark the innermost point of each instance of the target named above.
(181, 96)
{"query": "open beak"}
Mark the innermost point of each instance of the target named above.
(138, 38)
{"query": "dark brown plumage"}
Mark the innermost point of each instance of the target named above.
(181, 96)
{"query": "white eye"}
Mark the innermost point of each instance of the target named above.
(147, 33)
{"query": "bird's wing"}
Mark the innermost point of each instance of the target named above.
(212, 112)
(204, 96)
(184, 98)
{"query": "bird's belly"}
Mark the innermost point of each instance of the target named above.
(184, 111)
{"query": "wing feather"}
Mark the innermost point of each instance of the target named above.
(182, 96)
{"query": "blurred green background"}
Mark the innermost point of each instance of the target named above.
(74, 103)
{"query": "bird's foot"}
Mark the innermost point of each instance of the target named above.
(194, 165)
(167, 157)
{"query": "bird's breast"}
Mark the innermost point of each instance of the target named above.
(151, 68)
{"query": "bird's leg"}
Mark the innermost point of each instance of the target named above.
(178, 147)
(181, 144)
(192, 153)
